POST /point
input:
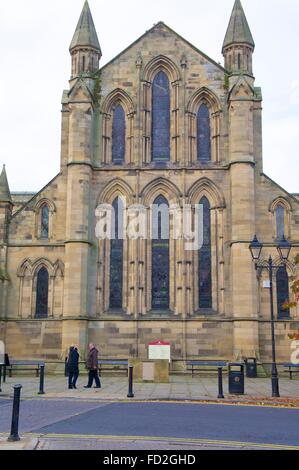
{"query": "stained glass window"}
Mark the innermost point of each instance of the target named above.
(42, 293)
(205, 259)
(203, 134)
(45, 222)
(116, 258)
(160, 256)
(280, 229)
(161, 118)
(118, 135)
(282, 285)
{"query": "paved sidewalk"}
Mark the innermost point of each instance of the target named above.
(27, 443)
(40, 443)
(179, 388)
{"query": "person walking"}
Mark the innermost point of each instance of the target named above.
(73, 367)
(92, 366)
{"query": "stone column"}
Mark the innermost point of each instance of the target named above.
(242, 176)
(78, 220)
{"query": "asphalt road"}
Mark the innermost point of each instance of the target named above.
(242, 424)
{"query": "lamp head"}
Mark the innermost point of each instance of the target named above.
(255, 249)
(284, 248)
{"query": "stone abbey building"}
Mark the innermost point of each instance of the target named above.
(161, 123)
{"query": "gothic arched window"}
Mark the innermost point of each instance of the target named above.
(205, 260)
(118, 135)
(280, 221)
(160, 255)
(161, 118)
(203, 134)
(116, 257)
(42, 293)
(44, 213)
(282, 286)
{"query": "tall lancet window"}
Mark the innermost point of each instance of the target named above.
(282, 286)
(161, 118)
(116, 256)
(44, 221)
(205, 260)
(118, 135)
(42, 294)
(280, 221)
(203, 134)
(160, 255)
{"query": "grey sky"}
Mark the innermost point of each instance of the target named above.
(35, 68)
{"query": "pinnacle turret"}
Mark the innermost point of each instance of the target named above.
(4, 187)
(85, 34)
(238, 45)
(238, 31)
(85, 48)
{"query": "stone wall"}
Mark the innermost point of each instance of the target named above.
(33, 339)
(189, 339)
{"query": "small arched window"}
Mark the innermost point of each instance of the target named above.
(205, 259)
(203, 134)
(282, 285)
(42, 293)
(280, 221)
(161, 118)
(44, 214)
(118, 135)
(116, 257)
(160, 255)
(83, 63)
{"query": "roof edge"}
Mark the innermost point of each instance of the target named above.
(223, 69)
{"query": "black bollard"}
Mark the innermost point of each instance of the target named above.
(220, 384)
(14, 434)
(42, 380)
(4, 374)
(131, 393)
(1, 376)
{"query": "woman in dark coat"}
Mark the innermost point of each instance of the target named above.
(73, 367)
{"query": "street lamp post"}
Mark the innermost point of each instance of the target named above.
(284, 248)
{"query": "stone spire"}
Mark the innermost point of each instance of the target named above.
(238, 31)
(85, 34)
(85, 48)
(238, 45)
(4, 188)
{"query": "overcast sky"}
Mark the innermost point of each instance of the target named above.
(35, 68)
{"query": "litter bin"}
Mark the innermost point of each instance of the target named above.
(251, 368)
(236, 379)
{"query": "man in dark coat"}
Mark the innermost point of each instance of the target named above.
(73, 367)
(92, 366)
